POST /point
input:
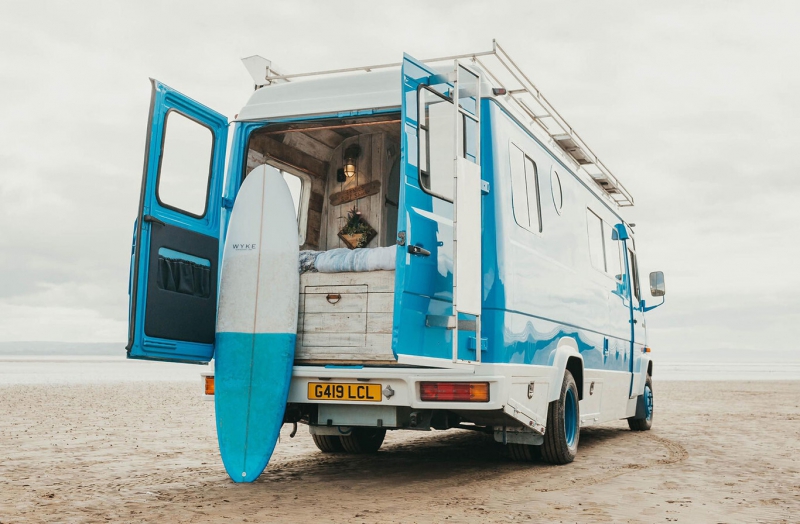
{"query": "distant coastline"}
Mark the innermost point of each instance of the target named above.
(77, 362)
(52, 349)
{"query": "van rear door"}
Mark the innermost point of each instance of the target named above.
(438, 279)
(175, 259)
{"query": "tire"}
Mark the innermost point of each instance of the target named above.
(328, 443)
(524, 452)
(563, 425)
(363, 440)
(643, 420)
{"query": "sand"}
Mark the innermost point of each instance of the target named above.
(146, 452)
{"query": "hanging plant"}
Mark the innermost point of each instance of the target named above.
(356, 231)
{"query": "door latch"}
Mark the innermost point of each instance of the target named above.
(417, 250)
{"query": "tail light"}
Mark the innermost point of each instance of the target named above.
(454, 391)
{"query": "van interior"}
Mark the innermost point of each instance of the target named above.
(333, 167)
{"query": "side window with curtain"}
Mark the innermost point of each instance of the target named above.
(525, 190)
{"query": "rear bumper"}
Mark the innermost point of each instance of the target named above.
(400, 386)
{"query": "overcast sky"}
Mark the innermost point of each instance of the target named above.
(694, 106)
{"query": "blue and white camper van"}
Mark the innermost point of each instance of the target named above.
(495, 282)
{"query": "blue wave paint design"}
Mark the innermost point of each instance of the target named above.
(252, 376)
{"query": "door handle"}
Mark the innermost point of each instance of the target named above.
(417, 250)
(153, 220)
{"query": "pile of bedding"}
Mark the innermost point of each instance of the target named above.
(342, 260)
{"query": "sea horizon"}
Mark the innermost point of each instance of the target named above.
(78, 363)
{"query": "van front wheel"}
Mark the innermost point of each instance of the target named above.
(643, 420)
(563, 425)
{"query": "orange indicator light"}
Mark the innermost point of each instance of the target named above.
(209, 383)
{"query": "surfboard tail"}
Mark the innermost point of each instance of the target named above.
(252, 378)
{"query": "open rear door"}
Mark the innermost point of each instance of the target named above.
(467, 212)
(175, 266)
(438, 289)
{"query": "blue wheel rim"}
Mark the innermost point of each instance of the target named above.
(570, 418)
(648, 402)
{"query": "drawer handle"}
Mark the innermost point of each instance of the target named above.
(333, 298)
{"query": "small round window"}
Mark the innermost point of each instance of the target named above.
(555, 189)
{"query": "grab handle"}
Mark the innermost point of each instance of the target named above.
(333, 298)
(153, 220)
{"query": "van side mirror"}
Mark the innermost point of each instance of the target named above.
(657, 286)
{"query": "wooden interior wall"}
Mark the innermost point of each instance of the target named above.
(374, 163)
(319, 158)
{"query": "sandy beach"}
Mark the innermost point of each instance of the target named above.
(146, 452)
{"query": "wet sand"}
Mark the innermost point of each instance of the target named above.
(146, 452)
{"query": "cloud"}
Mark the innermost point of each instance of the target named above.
(693, 106)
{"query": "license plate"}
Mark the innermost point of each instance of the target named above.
(355, 392)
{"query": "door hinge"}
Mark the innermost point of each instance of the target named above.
(227, 203)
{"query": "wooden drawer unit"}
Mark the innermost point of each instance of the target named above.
(345, 317)
(334, 316)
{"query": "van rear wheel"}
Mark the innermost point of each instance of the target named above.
(525, 452)
(563, 425)
(328, 443)
(363, 440)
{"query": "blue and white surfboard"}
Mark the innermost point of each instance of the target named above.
(256, 323)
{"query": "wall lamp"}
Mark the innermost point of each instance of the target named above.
(351, 155)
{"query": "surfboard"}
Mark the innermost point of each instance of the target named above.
(256, 323)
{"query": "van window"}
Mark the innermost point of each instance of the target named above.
(612, 249)
(534, 203)
(300, 195)
(595, 232)
(295, 184)
(525, 191)
(185, 166)
(519, 188)
(634, 273)
(436, 144)
(555, 190)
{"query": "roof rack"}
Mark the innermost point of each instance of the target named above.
(502, 72)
